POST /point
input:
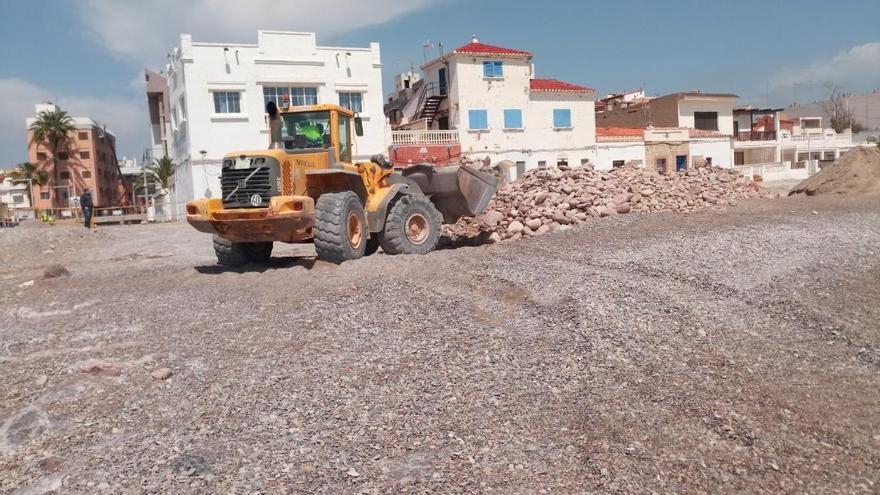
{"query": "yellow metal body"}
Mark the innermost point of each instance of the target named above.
(303, 176)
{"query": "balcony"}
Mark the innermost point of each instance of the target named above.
(756, 136)
(423, 146)
(423, 137)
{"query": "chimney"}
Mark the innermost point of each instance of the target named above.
(474, 39)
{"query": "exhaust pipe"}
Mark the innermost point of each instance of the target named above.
(274, 126)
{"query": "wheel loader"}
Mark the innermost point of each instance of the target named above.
(306, 188)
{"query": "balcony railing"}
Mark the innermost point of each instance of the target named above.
(756, 136)
(415, 137)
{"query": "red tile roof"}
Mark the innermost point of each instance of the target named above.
(619, 131)
(477, 48)
(557, 85)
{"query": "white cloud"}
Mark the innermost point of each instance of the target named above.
(146, 31)
(858, 67)
(125, 117)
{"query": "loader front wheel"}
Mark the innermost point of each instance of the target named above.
(412, 226)
(229, 253)
(340, 227)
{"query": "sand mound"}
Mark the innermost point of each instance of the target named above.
(855, 173)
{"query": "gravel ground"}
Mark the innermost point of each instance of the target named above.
(720, 352)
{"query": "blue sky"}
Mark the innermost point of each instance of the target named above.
(89, 54)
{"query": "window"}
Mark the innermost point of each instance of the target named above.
(86, 174)
(306, 130)
(478, 119)
(62, 155)
(739, 158)
(493, 69)
(84, 155)
(707, 121)
(65, 175)
(520, 169)
(41, 156)
(513, 119)
(660, 165)
(83, 136)
(561, 118)
(18, 198)
(617, 163)
(296, 96)
(351, 101)
(344, 139)
(44, 195)
(562, 162)
(542, 164)
(227, 102)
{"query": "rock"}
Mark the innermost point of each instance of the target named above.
(543, 229)
(515, 227)
(55, 270)
(101, 368)
(492, 217)
(534, 223)
(42, 380)
(602, 211)
(353, 473)
(647, 191)
(24, 285)
(162, 374)
(495, 237)
(623, 208)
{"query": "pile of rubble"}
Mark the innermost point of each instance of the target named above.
(550, 199)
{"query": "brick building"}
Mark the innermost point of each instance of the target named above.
(86, 160)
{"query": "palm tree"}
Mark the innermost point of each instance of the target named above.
(160, 172)
(52, 127)
(31, 173)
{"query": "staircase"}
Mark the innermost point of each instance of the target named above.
(429, 103)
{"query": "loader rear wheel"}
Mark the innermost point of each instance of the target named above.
(238, 253)
(340, 227)
(412, 226)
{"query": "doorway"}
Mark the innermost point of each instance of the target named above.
(441, 75)
(680, 162)
(443, 123)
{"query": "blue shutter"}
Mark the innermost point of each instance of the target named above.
(478, 119)
(513, 119)
(488, 69)
(561, 118)
(499, 71)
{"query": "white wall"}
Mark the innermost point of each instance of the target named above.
(609, 152)
(719, 149)
(724, 106)
(278, 59)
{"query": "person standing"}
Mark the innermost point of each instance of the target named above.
(86, 203)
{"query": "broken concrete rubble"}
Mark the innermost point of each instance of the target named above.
(546, 199)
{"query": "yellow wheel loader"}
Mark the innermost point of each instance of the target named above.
(306, 188)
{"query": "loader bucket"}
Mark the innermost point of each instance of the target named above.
(456, 191)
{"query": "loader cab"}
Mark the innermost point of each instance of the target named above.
(319, 127)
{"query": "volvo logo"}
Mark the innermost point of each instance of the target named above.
(256, 199)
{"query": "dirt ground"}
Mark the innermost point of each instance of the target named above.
(733, 351)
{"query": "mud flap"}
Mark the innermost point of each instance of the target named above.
(456, 191)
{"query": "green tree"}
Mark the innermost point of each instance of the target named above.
(53, 128)
(159, 174)
(32, 174)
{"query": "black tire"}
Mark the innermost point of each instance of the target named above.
(259, 252)
(372, 245)
(398, 238)
(334, 217)
(229, 253)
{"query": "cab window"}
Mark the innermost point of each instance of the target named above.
(307, 130)
(344, 139)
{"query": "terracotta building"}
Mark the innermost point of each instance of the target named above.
(86, 160)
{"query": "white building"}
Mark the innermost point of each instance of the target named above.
(484, 100)
(768, 145)
(663, 149)
(218, 92)
(15, 196)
